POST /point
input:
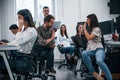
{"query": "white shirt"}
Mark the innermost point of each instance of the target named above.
(25, 40)
(63, 40)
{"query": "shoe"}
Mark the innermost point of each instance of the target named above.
(100, 78)
(53, 70)
(96, 75)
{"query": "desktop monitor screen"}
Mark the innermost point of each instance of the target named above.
(107, 27)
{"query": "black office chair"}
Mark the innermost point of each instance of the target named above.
(32, 67)
(80, 67)
(39, 59)
(64, 62)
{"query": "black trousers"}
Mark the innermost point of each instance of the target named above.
(46, 53)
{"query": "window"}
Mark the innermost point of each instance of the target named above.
(41, 4)
(35, 6)
(28, 4)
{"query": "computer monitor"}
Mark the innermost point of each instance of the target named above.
(107, 27)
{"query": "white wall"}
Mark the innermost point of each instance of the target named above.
(68, 13)
(8, 17)
(99, 7)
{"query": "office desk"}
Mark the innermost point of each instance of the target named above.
(114, 56)
(112, 43)
(4, 48)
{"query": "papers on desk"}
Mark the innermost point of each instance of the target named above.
(108, 37)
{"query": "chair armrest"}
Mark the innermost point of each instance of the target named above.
(22, 55)
(107, 49)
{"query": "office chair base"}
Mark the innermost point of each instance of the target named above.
(65, 64)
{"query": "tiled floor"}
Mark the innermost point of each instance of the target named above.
(65, 74)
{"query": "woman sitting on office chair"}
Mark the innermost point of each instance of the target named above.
(94, 48)
(64, 42)
(26, 37)
(80, 40)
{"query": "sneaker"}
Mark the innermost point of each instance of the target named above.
(53, 70)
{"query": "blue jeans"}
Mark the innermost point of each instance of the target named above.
(69, 50)
(99, 54)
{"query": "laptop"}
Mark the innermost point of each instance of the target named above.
(56, 25)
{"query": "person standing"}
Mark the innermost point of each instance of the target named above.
(40, 21)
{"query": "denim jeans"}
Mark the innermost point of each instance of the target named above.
(47, 55)
(99, 54)
(69, 50)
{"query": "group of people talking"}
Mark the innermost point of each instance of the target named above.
(26, 37)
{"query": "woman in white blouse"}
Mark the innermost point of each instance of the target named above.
(25, 39)
(25, 36)
(64, 41)
(95, 48)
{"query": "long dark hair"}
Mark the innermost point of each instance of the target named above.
(81, 23)
(93, 21)
(27, 17)
(65, 30)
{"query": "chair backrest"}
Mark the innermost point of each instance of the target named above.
(33, 51)
(60, 49)
(79, 42)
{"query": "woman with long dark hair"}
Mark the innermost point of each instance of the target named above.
(27, 33)
(64, 41)
(26, 37)
(80, 40)
(94, 48)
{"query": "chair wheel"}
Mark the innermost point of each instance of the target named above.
(59, 67)
(75, 73)
(54, 78)
(81, 74)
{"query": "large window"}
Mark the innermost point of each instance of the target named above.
(28, 4)
(41, 4)
(35, 6)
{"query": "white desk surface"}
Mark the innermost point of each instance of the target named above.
(8, 47)
(113, 43)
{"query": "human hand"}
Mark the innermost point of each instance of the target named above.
(20, 24)
(52, 46)
(85, 24)
(62, 45)
(3, 43)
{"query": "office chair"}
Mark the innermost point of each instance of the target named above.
(78, 51)
(30, 69)
(33, 67)
(39, 69)
(67, 62)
